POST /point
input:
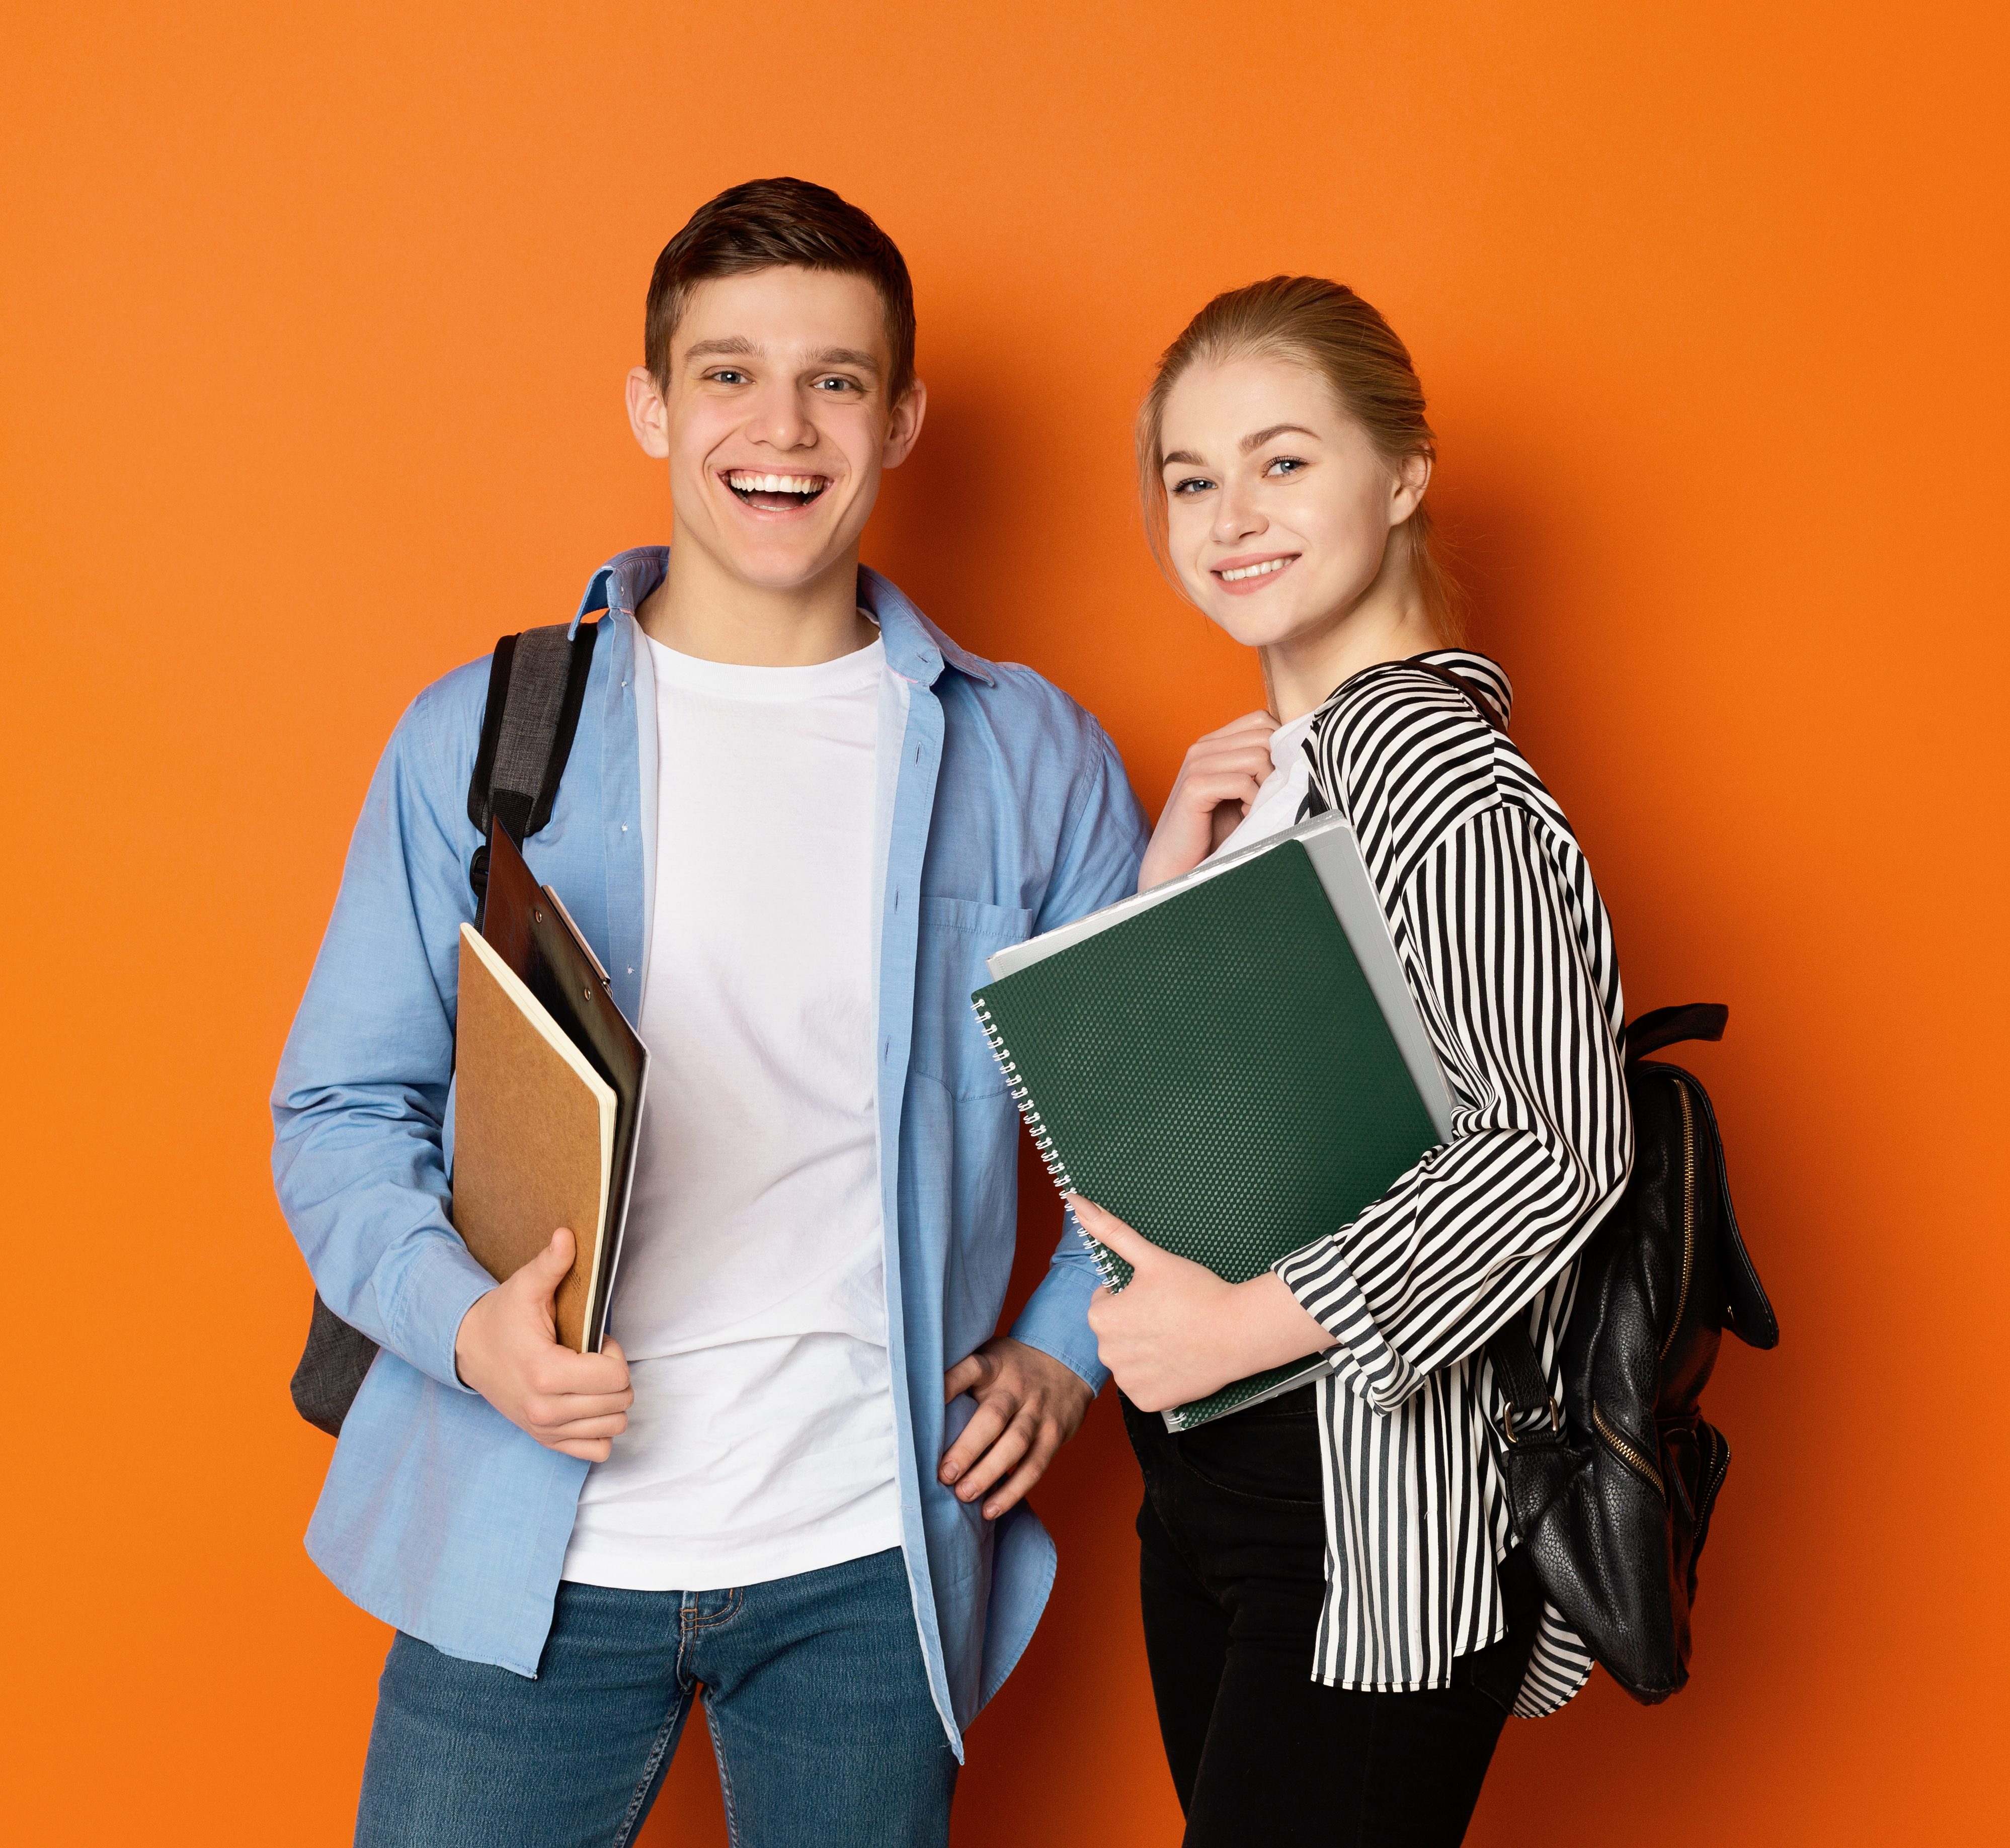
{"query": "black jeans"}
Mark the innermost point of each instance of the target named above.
(1233, 1573)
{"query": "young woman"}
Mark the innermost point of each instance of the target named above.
(1336, 1616)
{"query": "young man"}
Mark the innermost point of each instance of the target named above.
(796, 819)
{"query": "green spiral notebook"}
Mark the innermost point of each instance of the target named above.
(1233, 1063)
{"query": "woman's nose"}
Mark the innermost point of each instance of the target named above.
(1236, 517)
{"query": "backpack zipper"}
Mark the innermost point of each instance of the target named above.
(1627, 1451)
(1713, 1479)
(1688, 1217)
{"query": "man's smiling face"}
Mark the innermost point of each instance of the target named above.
(777, 422)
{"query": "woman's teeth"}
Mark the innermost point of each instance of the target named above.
(747, 483)
(1261, 570)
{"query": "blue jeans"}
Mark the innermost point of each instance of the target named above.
(814, 1691)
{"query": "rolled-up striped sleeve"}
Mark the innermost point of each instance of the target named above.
(1493, 935)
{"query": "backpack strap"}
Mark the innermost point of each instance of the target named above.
(537, 687)
(1518, 1373)
(1668, 1025)
(1459, 684)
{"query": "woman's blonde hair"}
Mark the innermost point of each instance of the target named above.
(1328, 329)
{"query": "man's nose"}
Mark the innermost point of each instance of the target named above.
(782, 420)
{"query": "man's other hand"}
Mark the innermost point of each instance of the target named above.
(1028, 1405)
(507, 1348)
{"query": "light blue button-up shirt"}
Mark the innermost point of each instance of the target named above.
(1003, 810)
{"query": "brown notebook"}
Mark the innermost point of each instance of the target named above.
(526, 926)
(533, 1136)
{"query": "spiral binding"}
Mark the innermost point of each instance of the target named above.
(1050, 1157)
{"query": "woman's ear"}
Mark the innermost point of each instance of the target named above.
(648, 415)
(904, 425)
(1406, 492)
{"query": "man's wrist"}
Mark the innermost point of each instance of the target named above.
(1055, 1321)
(423, 1320)
(1087, 1373)
(460, 1338)
(1061, 1376)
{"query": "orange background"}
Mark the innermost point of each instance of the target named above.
(314, 324)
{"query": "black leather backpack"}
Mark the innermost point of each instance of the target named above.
(537, 685)
(1612, 1491)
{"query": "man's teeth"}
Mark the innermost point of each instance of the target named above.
(1261, 570)
(775, 484)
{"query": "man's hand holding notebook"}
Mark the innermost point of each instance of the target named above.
(508, 1351)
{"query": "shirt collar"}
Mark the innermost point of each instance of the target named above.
(916, 649)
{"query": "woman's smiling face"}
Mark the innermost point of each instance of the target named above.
(1278, 508)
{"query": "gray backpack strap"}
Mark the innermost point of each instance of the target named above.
(537, 688)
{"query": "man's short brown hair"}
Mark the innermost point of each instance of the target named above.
(760, 224)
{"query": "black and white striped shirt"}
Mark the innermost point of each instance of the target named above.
(1510, 954)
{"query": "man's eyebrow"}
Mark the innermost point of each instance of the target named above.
(846, 356)
(1264, 436)
(736, 346)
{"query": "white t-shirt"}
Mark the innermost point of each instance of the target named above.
(752, 1296)
(1281, 793)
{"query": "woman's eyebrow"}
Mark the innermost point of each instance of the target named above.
(1264, 436)
(1187, 459)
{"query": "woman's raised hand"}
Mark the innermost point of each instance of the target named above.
(1212, 793)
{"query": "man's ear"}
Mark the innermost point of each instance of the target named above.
(1413, 476)
(648, 415)
(904, 425)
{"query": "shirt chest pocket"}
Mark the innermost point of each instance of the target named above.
(956, 935)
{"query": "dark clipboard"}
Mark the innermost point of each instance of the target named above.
(527, 925)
